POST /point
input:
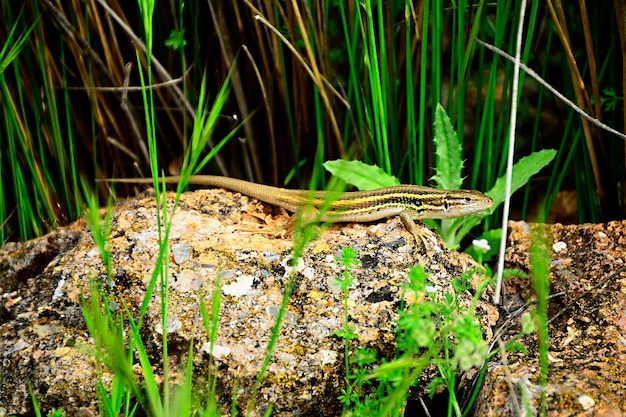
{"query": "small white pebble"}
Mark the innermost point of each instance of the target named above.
(602, 234)
(406, 249)
(559, 246)
(328, 356)
(289, 317)
(308, 272)
(58, 292)
(247, 255)
(270, 256)
(218, 351)
(227, 273)
(242, 286)
(289, 269)
(172, 326)
(333, 284)
(586, 402)
(181, 252)
(20, 345)
(524, 226)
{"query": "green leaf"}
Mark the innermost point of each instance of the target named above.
(448, 152)
(12, 47)
(522, 171)
(362, 176)
(176, 39)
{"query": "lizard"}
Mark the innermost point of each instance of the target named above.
(409, 202)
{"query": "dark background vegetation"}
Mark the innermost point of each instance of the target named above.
(67, 119)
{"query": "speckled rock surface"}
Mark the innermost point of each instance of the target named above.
(214, 233)
(587, 334)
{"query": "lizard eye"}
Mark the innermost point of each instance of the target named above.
(468, 199)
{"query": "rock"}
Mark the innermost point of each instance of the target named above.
(587, 329)
(215, 233)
